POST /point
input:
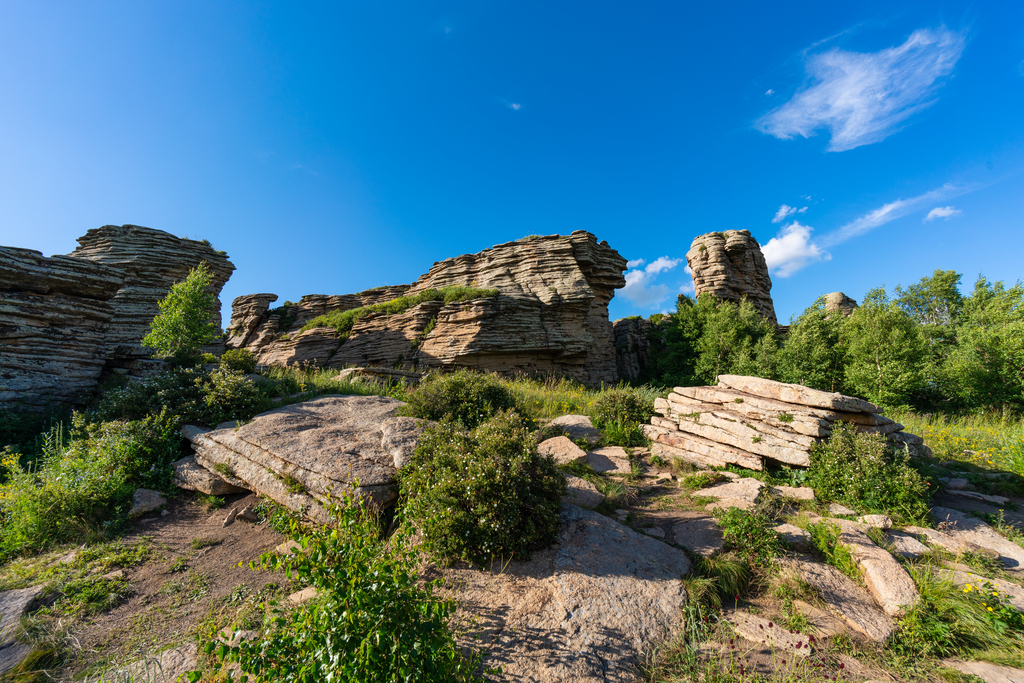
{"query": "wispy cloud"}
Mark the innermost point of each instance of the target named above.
(514, 106)
(890, 212)
(785, 211)
(864, 97)
(640, 289)
(635, 263)
(946, 212)
(792, 249)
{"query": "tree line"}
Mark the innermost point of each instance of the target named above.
(927, 347)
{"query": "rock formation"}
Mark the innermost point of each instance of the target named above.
(54, 316)
(837, 301)
(730, 265)
(152, 261)
(65, 320)
(632, 346)
(744, 420)
(550, 316)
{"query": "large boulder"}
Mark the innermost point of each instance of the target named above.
(302, 454)
(730, 266)
(583, 610)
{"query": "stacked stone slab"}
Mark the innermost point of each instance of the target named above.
(745, 420)
(550, 316)
(730, 266)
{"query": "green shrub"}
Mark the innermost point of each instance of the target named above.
(466, 396)
(239, 360)
(863, 472)
(84, 484)
(752, 535)
(482, 494)
(825, 537)
(229, 395)
(373, 620)
(620, 413)
(185, 321)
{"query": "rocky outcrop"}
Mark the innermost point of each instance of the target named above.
(54, 317)
(744, 420)
(730, 266)
(550, 315)
(303, 454)
(152, 261)
(632, 346)
(837, 302)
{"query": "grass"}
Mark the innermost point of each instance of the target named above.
(989, 441)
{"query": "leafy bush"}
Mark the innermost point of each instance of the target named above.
(620, 413)
(192, 394)
(465, 396)
(185, 321)
(863, 472)
(825, 537)
(752, 535)
(373, 621)
(482, 494)
(239, 360)
(84, 483)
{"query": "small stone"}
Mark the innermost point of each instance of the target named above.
(164, 513)
(794, 536)
(609, 460)
(621, 514)
(840, 510)
(145, 500)
(248, 514)
(302, 596)
(233, 638)
(955, 482)
(562, 450)
(877, 521)
(116, 574)
(230, 519)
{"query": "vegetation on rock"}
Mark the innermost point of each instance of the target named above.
(185, 321)
(465, 396)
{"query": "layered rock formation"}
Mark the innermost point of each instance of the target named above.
(632, 346)
(730, 265)
(152, 261)
(302, 454)
(744, 420)
(840, 303)
(550, 316)
(54, 317)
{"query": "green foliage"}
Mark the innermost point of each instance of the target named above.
(861, 471)
(752, 535)
(482, 494)
(814, 352)
(84, 481)
(466, 396)
(373, 621)
(825, 537)
(239, 360)
(342, 321)
(620, 413)
(185, 321)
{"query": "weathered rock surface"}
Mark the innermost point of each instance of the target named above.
(887, 581)
(550, 316)
(972, 530)
(609, 460)
(562, 450)
(582, 611)
(987, 671)
(153, 261)
(698, 533)
(837, 302)
(191, 476)
(846, 598)
(760, 630)
(146, 500)
(169, 666)
(794, 536)
(577, 427)
(13, 605)
(302, 454)
(582, 493)
(632, 346)
(905, 544)
(744, 420)
(730, 266)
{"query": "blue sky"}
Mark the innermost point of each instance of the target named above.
(339, 146)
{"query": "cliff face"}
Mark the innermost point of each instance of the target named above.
(152, 261)
(54, 317)
(730, 265)
(550, 316)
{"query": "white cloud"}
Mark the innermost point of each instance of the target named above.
(864, 97)
(946, 212)
(792, 249)
(635, 263)
(890, 212)
(785, 211)
(514, 106)
(770, 92)
(640, 289)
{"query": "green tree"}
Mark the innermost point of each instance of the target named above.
(886, 352)
(185, 321)
(814, 353)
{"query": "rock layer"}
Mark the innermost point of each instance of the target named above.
(730, 266)
(744, 420)
(632, 346)
(550, 316)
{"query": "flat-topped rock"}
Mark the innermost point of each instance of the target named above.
(562, 450)
(887, 581)
(582, 493)
(697, 532)
(794, 492)
(583, 610)
(300, 454)
(987, 671)
(797, 394)
(609, 460)
(906, 545)
(577, 427)
(191, 476)
(794, 536)
(745, 489)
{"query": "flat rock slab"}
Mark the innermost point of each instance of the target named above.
(846, 598)
(971, 529)
(887, 581)
(796, 394)
(696, 532)
(962, 575)
(609, 460)
(744, 489)
(821, 622)
(582, 493)
(941, 540)
(760, 630)
(169, 665)
(986, 671)
(794, 536)
(906, 545)
(302, 454)
(577, 427)
(581, 611)
(562, 450)
(726, 503)
(191, 476)
(840, 510)
(794, 492)
(13, 605)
